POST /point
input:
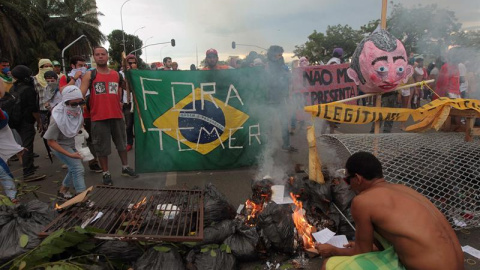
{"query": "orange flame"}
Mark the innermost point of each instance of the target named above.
(304, 229)
(255, 209)
(140, 203)
(57, 207)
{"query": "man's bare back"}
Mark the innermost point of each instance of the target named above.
(422, 237)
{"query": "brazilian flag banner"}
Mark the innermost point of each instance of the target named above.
(197, 120)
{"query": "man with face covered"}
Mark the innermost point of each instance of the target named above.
(74, 77)
(44, 65)
(5, 74)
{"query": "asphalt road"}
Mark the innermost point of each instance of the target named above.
(235, 183)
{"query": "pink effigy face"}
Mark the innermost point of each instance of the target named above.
(383, 71)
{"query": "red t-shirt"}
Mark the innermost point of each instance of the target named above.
(105, 97)
(448, 80)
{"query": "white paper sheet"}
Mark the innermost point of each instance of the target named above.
(338, 241)
(240, 208)
(472, 251)
(278, 193)
(323, 236)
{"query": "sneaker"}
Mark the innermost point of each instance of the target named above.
(129, 147)
(95, 168)
(35, 155)
(129, 172)
(107, 179)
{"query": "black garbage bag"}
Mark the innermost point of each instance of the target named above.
(167, 259)
(25, 219)
(277, 226)
(218, 232)
(342, 194)
(210, 259)
(120, 250)
(216, 206)
(243, 242)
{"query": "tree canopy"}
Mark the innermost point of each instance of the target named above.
(115, 38)
(427, 30)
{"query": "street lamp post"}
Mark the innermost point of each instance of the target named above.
(134, 35)
(121, 20)
(163, 47)
(146, 49)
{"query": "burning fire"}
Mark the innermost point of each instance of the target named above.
(253, 210)
(140, 203)
(57, 207)
(304, 229)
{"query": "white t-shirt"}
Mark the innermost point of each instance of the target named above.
(463, 73)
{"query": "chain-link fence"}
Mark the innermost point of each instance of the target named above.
(441, 166)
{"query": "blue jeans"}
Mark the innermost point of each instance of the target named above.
(76, 173)
(7, 181)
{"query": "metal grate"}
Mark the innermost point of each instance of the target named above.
(137, 214)
(441, 166)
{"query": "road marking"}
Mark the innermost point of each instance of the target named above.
(171, 179)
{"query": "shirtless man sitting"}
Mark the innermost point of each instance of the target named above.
(419, 235)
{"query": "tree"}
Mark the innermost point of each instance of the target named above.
(425, 30)
(69, 19)
(320, 46)
(115, 38)
(20, 28)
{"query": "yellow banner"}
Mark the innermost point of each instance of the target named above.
(352, 114)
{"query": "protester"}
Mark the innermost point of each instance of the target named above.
(29, 103)
(211, 61)
(106, 113)
(462, 71)
(50, 96)
(8, 148)
(419, 74)
(193, 67)
(413, 233)
(448, 82)
(175, 66)
(6, 74)
(74, 77)
(127, 103)
(167, 63)
(303, 62)
(278, 81)
(337, 57)
(67, 120)
(44, 65)
(57, 67)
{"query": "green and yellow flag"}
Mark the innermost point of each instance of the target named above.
(197, 120)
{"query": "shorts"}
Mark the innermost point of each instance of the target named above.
(452, 95)
(405, 92)
(103, 131)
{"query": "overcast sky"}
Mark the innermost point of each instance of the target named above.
(200, 25)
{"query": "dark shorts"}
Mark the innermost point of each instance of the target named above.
(101, 133)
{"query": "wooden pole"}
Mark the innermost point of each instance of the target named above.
(383, 24)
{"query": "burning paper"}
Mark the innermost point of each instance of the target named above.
(304, 228)
(278, 195)
(77, 199)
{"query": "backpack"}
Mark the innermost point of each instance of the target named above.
(93, 75)
(11, 103)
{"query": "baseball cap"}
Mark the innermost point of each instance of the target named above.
(56, 63)
(211, 51)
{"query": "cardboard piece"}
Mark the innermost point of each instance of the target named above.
(77, 199)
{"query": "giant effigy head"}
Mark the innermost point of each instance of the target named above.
(379, 63)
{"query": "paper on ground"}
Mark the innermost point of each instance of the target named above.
(79, 198)
(278, 193)
(323, 236)
(472, 251)
(338, 241)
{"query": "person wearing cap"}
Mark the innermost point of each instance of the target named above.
(337, 57)
(66, 122)
(24, 87)
(211, 61)
(57, 67)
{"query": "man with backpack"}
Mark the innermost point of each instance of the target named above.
(106, 113)
(24, 114)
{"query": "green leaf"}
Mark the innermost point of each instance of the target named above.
(163, 249)
(287, 266)
(52, 236)
(121, 232)
(86, 246)
(228, 250)
(80, 230)
(23, 240)
(213, 253)
(190, 244)
(205, 249)
(22, 265)
(94, 230)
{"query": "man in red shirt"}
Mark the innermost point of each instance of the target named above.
(106, 113)
(211, 61)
